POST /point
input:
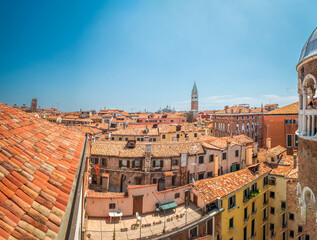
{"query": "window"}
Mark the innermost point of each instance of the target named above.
(253, 208)
(230, 223)
(291, 216)
(201, 176)
(177, 135)
(245, 214)
(300, 229)
(195, 135)
(306, 237)
(237, 127)
(124, 163)
(112, 138)
(254, 187)
(193, 232)
(272, 181)
(224, 156)
(201, 159)
(253, 228)
(272, 210)
(163, 136)
(295, 121)
(157, 163)
(177, 195)
(211, 158)
(242, 127)
(264, 198)
(289, 140)
(288, 121)
(296, 140)
(237, 153)
(136, 163)
(232, 202)
(245, 232)
(120, 138)
(103, 162)
(175, 162)
(112, 205)
(272, 194)
(283, 205)
(265, 181)
(291, 234)
(264, 214)
(209, 174)
(138, 139)
(246, 194)
(153, 139)
(95, 160)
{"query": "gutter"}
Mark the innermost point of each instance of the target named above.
(68, 225)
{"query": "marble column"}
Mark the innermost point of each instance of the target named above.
(308, 125)
(313, 125)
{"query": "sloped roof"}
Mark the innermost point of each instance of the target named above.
(38, 162)
(289, 109)
(212, 188)
(158, 149)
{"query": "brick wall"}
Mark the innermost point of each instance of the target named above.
(276, 129)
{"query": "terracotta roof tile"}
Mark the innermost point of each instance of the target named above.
(12, 207)
(38, 163)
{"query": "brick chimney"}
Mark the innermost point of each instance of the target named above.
(268, 143)
(216, 165)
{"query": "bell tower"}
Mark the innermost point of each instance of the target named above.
(33, 105)
(194, 100)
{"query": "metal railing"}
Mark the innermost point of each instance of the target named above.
(173, 222)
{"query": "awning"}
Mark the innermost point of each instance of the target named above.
(169, 174)
(169, 205)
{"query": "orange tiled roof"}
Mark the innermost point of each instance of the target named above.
(136, 132)
(240, 110)
(212, 188)
(38, 162)
(289, 109)
(159, 149)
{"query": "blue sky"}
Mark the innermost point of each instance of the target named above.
(138, 55)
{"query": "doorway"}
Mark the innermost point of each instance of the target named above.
(137, 204)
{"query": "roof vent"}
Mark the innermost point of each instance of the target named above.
(254, 169)
(131, 144)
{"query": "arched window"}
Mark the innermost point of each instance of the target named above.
(242, 127)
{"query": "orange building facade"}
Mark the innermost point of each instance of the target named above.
(280, 125)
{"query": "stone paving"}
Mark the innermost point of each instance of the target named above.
(101, 228)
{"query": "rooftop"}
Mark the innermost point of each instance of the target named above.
(38, 162)
(289, 109)
(212, 188)
(158, 149)
(99, 228)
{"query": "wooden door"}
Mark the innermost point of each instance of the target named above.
(137, 204)
(195, 200)
(209, 227)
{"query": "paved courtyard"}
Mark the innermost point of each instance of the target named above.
(101, 228)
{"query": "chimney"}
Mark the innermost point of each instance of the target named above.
(226, 107)
(268, 143)
(216, 165)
